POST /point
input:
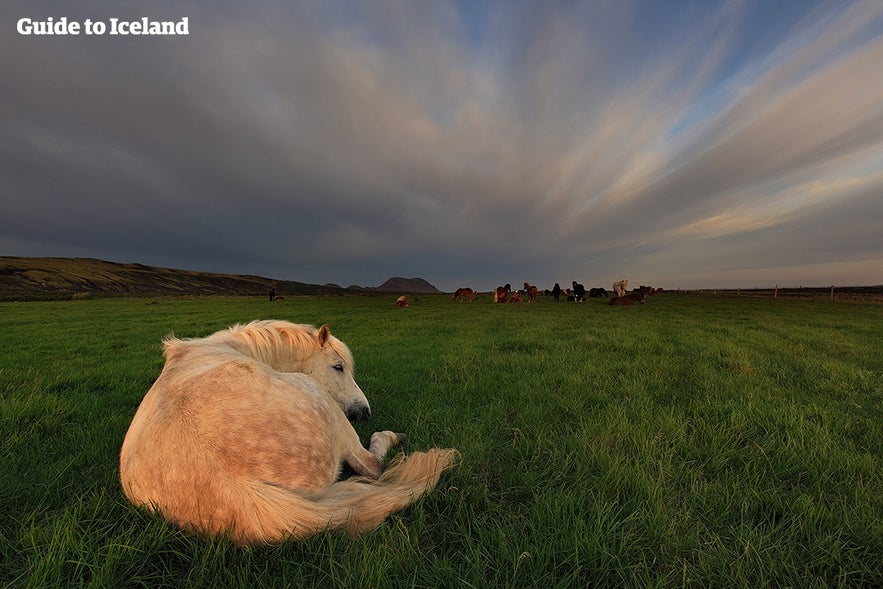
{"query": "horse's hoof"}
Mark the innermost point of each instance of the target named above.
(401, 438)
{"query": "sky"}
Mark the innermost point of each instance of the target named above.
(678, 144)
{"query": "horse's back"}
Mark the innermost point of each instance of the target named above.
(203, 433)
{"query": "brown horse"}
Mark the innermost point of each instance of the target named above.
(531, 292)
(629, 299)
(244, 433)
(516, 297)
(402, 301)
(463, 293)
(501, 293)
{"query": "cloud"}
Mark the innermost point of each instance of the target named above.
(339, 142)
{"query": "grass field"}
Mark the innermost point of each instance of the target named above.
(692, 441)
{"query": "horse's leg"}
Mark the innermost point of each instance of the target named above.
(381, 442)
(369, 462)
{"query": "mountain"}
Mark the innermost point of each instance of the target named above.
(22, 278)
(406, 285)
(57, 278)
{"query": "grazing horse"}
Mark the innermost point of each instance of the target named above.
(463, 293)
(531, 292)
(516, 297)
(620, 286)
(597, 292)
(244, 433)
(629, 299)
(402, 301)
(501, 293)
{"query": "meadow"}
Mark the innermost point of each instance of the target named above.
(693, 441)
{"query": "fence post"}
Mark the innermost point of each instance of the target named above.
(776, 292)
(832, 292)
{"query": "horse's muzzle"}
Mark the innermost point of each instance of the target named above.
(356, 412)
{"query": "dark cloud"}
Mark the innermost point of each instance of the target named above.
(347, 143)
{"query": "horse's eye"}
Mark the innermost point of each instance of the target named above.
(338, 367)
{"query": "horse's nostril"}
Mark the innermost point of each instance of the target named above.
(358, 412)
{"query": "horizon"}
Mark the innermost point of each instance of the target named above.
(703, 145)
(488, 289)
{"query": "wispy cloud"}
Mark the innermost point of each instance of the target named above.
(332, 141)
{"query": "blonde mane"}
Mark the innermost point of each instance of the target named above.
(278, 344)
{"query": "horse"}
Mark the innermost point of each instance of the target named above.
(244, 433)
(620, 286)
(516, 297)
(463, 293)
(278, 298)
(629, 299)
(402, 301)
(531, 292)
(597, 292)
(556, 292)
(501, 293)
(579, 292)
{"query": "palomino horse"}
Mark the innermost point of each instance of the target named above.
(463, 293)
(620, 287)
(531, 292)
(244, 433)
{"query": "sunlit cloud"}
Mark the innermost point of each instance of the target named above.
(339, 142)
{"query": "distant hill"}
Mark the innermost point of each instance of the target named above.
(56, 278)
(22, 278)
(402, 285)
(410, 285)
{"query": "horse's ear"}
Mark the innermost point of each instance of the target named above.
(323, 335)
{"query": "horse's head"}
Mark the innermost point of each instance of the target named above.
(332, 367)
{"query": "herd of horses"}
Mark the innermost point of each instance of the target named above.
(577, 293)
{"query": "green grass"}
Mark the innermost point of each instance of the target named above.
(693, 441)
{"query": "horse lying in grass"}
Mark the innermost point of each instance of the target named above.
(244, 433)
(629, 299)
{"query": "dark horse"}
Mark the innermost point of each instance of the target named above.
(556, 292)
(629, 299)
(579, 292)
(597, 292)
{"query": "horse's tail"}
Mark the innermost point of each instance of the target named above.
(271, 513)
(454, 295)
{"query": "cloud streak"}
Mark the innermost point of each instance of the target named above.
(465, 145)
